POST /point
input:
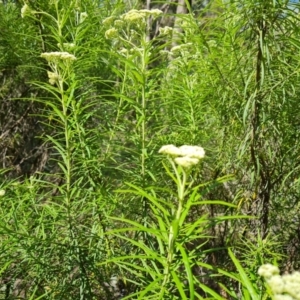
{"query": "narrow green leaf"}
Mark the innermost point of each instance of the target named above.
(211, 292)
(188, 270)
(244, 278)
(179, 285)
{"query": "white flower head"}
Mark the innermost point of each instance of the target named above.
(276, 284)
(156, 12)
(185, 150)
(2, 193)
(153, 12)
(67, 56)
(108, 21)
(185, 156)
(55, 56)
(268, 270)
(282, 297)
(111, 33)
(192, 151)
(292, 284)
(119, 23)
(170, 150)
(135, 16)
(186, 162)
(53, 77)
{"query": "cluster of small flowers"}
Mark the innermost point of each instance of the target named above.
(132, 17)
(119, 24)
(55, 56)
(108, 21)
(111, 33)
(135, 15)
(185, 156)
(53, 77)
(285, 287)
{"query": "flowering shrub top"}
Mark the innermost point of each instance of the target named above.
(184, 156)
(285, 287)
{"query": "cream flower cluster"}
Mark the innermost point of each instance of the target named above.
(111, 33)
(53, 77)
(285, 287)
(135, 15)
(132, 17)
(185, 156)
(152, 12)
(54, 56)
(108, 21)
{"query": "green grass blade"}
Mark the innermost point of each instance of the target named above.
(243, 277)
(179, 285)
(188, 270)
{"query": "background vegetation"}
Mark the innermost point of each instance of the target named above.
(90, 91)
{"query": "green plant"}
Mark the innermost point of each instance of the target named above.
(53, 220)
(162, 265)
(114, 83)
(285, 287)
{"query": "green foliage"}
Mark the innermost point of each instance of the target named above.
(91, 91)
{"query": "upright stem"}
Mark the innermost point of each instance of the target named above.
(143, 133)
(174, 229)
(113, 131)
(143, 123)
(67, 158)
